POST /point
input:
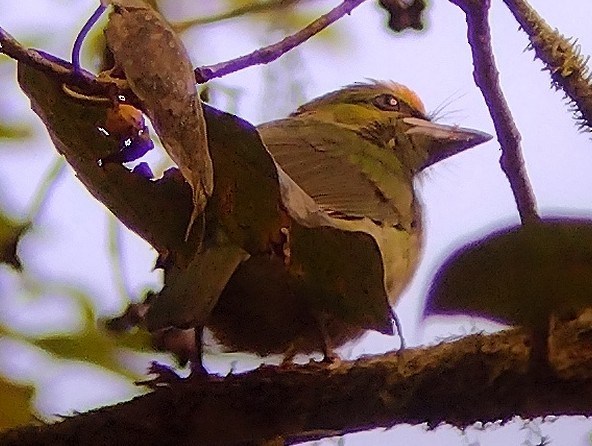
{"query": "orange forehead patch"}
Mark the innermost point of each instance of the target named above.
(408, 96)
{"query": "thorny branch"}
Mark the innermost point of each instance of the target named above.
(274, 51)
(487, 79)
(562, 58)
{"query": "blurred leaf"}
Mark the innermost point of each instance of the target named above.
(165, 83)
(11, 233)
(15, 404)
(247, 199)
(404, 14)
(153, 209)
(190, 293)
(519, 275)
(94, 343)
(284, 15)
(14, 131)
(243, 216)
(96, 346)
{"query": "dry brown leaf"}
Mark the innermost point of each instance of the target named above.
(159, 71)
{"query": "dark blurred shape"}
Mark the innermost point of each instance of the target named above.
(404, 14)
(144, 170)
(180, 342)
(134, 315)
(520, 275)
(11, 233)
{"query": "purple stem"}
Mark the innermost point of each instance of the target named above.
(82, 34)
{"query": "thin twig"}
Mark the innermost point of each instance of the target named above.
(274, 51)
(487, 79)
(253, 8)
(83, 33)
(114, 250)
(46, 63)
(65, 72)
(57, 167)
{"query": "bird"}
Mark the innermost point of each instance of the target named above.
(526, 275)
(354, 151)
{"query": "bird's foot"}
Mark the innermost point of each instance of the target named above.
(165, 376)
(331, 360)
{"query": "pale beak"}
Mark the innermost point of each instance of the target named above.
(443, 141)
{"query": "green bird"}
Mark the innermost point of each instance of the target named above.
(355, 152)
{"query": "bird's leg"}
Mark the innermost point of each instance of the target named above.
(539, 352)
(288, 356)
(185, 349)
(196, 360)
(399, 328)
(329, 356)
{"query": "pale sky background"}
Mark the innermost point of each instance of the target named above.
(464, 196)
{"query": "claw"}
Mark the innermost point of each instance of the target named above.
(165, 376)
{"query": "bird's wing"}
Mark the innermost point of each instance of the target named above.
(334, 165)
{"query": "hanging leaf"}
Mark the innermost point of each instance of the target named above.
(243, 217)
(247, 198)
(190, 293)
(159, 71)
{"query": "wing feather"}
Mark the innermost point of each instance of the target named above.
(324, 167)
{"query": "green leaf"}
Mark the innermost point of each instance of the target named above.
(242, 217)
(15, 404)
(96, 346)
(247, 200)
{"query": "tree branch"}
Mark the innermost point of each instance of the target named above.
(561, 56)
(274, 51)
(65, 72)
(487, 79)
(59, 69)
(310, 402)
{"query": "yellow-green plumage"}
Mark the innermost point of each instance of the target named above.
(355, 152)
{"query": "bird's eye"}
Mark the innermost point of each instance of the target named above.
(386, 102)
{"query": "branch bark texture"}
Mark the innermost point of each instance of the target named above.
(487, 79)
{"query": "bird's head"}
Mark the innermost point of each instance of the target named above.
(393, 116)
